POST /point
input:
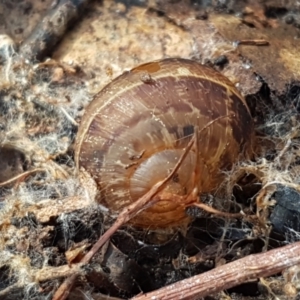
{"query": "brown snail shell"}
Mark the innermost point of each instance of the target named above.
(135, 130)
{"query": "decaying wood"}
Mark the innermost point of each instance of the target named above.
(51, 29)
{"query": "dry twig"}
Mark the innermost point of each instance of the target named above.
(229, 275)
(216, 212)
(127, 214)
(22, 176)
(253, 42)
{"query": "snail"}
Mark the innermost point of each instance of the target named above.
(137, 127)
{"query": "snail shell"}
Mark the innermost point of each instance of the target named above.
(135, 130)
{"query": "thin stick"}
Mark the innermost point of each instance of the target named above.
(214, 211)
(128, 213)
(21, 176)
(10, 289)
(253, 42)
(229, 275)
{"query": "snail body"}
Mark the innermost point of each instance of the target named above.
(136, 129)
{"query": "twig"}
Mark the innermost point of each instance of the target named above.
(229, 275)
(51, 29)
(51, 273)
(214, 211)
(253, 42)
(21, 176)
(10, 289)
(127, 214)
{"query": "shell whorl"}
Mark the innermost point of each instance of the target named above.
(136, 128)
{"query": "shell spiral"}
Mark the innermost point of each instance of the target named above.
(135, 130)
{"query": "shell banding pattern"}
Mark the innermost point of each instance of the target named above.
(137, 127)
